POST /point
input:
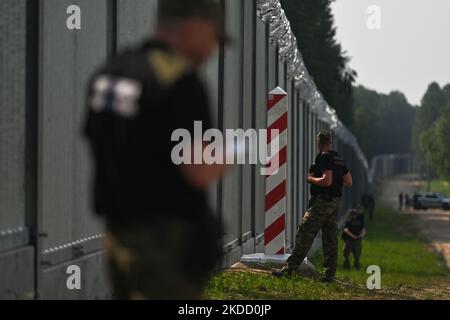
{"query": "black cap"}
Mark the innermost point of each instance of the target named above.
(185, 9)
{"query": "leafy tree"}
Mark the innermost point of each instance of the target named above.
(383, 123)
(313, 24)
(433, 104)
(446, 90)
(434, 144)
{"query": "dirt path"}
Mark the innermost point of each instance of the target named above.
(433, 224)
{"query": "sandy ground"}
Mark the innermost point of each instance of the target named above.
(433, 224)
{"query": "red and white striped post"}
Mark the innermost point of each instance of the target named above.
(275, 202)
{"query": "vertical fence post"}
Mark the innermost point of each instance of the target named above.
(276, 202)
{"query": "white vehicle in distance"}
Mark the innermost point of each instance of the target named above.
(431, 200)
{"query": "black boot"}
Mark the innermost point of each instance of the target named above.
(327, 279)
(286, 271)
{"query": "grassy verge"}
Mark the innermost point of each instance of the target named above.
(392, 243)
(441, 186)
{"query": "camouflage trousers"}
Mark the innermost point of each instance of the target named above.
(352, 246)
(172, 259)
(321, 215)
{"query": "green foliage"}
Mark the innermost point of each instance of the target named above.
(441, 186)
(313, 24)
(431, 130)
(383, 123)
(446, 90)
(435, 145)
(433, 104)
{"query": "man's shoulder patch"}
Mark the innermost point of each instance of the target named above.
(168, 67)
(115, 95)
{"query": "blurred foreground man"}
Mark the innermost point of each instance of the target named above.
(327, 177)
(162, 240)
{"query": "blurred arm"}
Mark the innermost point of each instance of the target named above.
(325, 181)
(363, 233)
(348, 180)
(201, 176)
(347, 232)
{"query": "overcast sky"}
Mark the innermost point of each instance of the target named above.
(411, 49)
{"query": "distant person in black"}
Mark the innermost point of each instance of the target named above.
(354, 232)
(162, 240)
(415, 202)
(368, 203)
(407, 201)
(400, 201)
(327, 176)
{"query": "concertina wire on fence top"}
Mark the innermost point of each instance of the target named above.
(271, 12)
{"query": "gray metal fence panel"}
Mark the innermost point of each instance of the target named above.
(16, 258)
(313, 135)
(281, 78)
(248, 108)
(68, 58)
(232, 102)
(260, 123)
(136, 20)
(308, 145)
(301, 170)
(12, 117)
(291, 156)
(210, 74)
(304, 155)
(273, 67)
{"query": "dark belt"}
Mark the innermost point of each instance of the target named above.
(324, 197)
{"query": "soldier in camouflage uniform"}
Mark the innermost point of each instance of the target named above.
(327, 177)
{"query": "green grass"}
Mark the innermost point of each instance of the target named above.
(248, 286)
(441, 186)
(392, 243)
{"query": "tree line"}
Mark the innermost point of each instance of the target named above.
(383, 123)
(431, 130)
(312, 22)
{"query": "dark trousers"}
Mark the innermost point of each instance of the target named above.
(352, 246)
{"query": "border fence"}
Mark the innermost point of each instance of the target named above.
(46, 223)
(386, 165)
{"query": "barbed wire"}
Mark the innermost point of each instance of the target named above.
(281, 35)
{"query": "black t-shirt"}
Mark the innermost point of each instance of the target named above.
(134, 104)
(329, 161)
(355, 225)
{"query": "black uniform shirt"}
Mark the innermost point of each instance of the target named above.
(329, 161)
(355, 224)
(134, 105)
